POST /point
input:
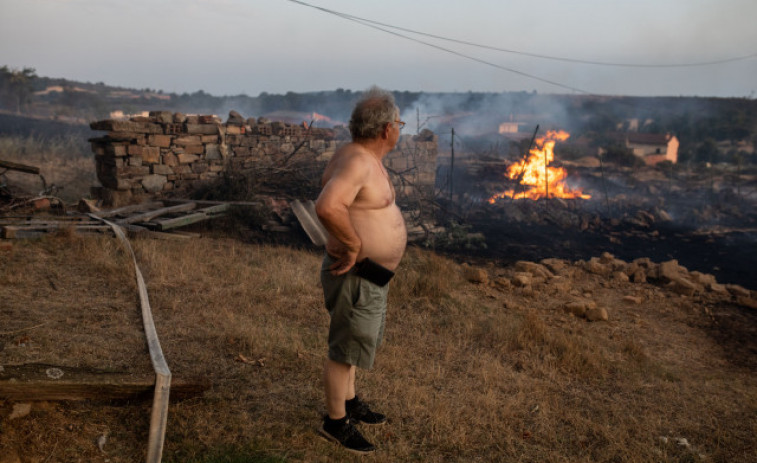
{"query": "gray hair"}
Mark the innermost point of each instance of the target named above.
(373, 111)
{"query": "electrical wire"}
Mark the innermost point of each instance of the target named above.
(533, 55)
(462, 55)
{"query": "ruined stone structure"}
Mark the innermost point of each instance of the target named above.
(172, 154)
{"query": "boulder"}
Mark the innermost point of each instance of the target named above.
(597, 314)
(522, 279)
(554, 265)
(475, 274)
(670, 270)
(684, 286)
(537, 270)
(577, 308)
(748, 302)
(704, 279)
(737, 290)
(596, 267)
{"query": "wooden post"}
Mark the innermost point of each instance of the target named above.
(523, 165)
(452, 165)
(19, 167)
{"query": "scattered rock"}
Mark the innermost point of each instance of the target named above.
(746, 302)
(560, 283)
(632, 299)
(620, 276)
(577, 308)
(555, 265)
(597, 314)
(596, 267)
(704, 279)
(533, 268)
(20, 410)
(521, 279)
(670, 270)
(475, 274)
(717, 288)
(684, 286)
(737, 290)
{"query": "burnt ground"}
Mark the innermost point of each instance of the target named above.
(710, 224)
(730, 256)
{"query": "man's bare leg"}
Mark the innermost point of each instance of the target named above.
(351, 385)
(338, 380)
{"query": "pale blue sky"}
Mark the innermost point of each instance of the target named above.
(228, 47)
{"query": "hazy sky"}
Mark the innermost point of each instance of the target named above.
(229, 47)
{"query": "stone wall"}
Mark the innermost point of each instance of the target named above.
(172, 154)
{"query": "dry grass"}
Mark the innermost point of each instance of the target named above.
(466, 373)
(66, 162)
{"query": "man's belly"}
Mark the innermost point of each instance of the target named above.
(382, 233)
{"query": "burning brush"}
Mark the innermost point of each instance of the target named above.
(535, 177)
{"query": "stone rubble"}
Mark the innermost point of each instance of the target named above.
(560, 275)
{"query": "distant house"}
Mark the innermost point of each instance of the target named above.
(651, 147)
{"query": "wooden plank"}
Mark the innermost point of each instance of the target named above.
(199, 216)
(129, 209)
(306, 215)
(19, 167)
(31, 382)
(214, 203)
(147, 216)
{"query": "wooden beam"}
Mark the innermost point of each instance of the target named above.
(147, 216)
(32, 382)
(19, 167)
(215, 203)
(199, 216)
(305, 213)
(129, 209)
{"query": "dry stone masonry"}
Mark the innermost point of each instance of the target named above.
(172, 153)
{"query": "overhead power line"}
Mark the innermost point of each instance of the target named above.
(488, 63)
(366, 21)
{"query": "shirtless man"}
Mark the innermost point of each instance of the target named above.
(356, 205)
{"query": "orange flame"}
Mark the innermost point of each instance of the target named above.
(540, 180)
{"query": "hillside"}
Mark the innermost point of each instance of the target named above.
(709, 129)
(479, 363)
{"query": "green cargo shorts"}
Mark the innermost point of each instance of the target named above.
(358, 314)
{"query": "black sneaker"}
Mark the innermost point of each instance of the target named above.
(343, 432)
(358, 411)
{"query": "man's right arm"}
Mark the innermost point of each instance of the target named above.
(332, 207)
